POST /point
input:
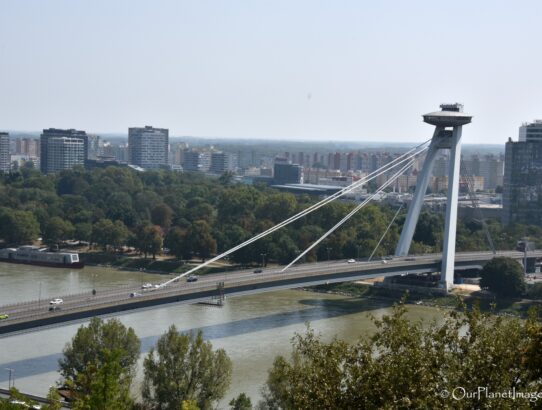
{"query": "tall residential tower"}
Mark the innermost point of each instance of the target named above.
(5, 159)
(522, 188)
(62, 149)
(148, 147)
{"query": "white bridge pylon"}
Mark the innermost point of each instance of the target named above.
(447, 136)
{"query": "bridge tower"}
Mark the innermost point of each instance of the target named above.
(447, 136)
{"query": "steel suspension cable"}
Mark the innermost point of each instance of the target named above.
(475, 203)
(385, 232)
(350, 214)
(387, 167)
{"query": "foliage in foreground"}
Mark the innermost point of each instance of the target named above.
(408, 365)
(185, 368)
(101, 344)
(182, 371)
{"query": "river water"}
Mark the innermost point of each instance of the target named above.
(252, 329)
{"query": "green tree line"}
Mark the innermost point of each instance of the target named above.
(197, 216)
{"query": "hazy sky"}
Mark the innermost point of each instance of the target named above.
(293, 69)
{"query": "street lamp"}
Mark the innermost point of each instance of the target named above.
(10, 372)
(359, 247)
(263, 255)
(328, 253)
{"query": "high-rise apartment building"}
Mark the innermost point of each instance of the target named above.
(27, 146)
(148, 147)
(62, 149)
(522, 193)
(492, 170)
(223, 162)
(5, 158)
(196, 161)
(287, 173)
(531, 131)
(94, 146)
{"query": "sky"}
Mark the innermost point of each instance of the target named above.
(276, 69)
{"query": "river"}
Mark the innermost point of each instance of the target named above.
(252, 329)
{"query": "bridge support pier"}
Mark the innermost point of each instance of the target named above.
(444, 138)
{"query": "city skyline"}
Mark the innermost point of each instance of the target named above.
(304, 71)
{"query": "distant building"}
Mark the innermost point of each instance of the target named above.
(531, 132)
(404, 183)
(27, 146)
(148, 147)
(62, 149)
(223, 162)
(440, 168)
(492, 170)
(5, 158)
(286, 173)
(94, 146)
(522, 187)
(196, 161)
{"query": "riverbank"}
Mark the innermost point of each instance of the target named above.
(136, 263)
(486, 302)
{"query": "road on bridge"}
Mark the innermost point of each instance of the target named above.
(30, 314)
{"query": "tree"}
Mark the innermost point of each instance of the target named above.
(149, 239)
(106, 233)
(106, 386)
(177, 242)
(184, 367)
(241, 402)
(161, 215)
(409, 365)
(83, 231)
(189, 405)
(202, 242)
(57, 230)
(226, 178)
(54, 400)
(503, 276)
(93, 345)
(18, 227)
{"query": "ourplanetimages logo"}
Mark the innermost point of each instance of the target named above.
(485, 393)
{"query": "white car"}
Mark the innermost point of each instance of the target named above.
(147, 286)
(351, 260)
(56, 301)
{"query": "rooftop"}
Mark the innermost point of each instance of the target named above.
(452, 115)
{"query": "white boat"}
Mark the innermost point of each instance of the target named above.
(33, 255)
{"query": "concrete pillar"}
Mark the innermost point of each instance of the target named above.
(448, 250)
(417, 200)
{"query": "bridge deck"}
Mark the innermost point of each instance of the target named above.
(32, 314)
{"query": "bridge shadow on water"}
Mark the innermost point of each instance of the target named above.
(318, 309)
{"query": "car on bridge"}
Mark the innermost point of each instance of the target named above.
(351, 260)
(55, 304)
(147, 286)
(4, 316)
(258, 270)
(192, 278)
